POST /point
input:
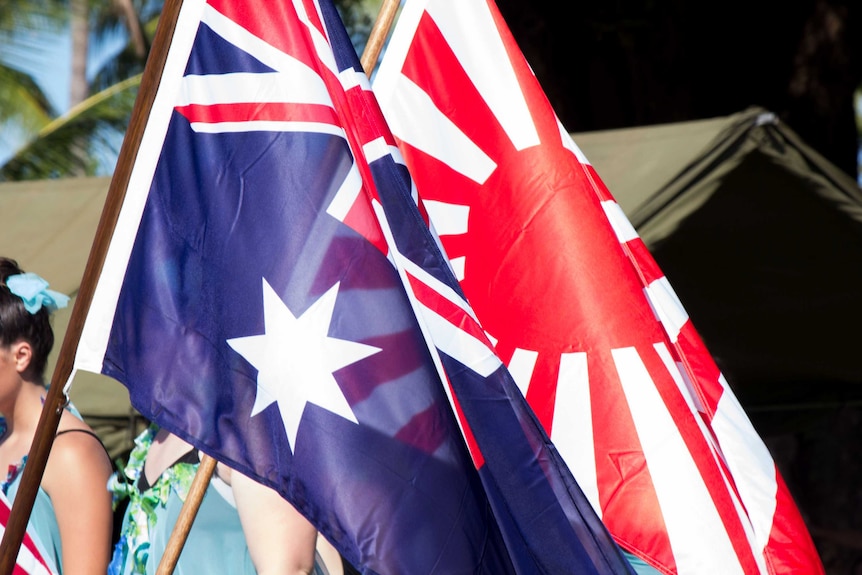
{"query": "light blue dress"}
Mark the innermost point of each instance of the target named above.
(215, 544)
(640, 566)
(43, 527)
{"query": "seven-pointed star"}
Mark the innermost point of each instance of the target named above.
(295, 359)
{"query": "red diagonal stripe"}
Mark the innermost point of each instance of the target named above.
(274, 22)
(447, 310)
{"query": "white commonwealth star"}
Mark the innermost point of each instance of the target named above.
(295, 359)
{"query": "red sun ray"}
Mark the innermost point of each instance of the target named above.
(461, 102)
(542, 393)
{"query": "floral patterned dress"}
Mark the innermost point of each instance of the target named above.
(145, 508)
(214, 545)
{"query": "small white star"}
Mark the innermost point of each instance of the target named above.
(295, 359)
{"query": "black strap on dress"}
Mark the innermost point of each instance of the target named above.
(189, 457)
(88, 432)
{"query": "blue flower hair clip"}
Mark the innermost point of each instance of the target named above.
(34, 291)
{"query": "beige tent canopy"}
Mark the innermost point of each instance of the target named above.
(48, 227)
(761, 238)
(759, 235)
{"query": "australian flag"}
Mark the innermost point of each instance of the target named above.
(273, 295)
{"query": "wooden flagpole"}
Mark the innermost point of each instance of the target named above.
(379, 34)
(187, 515)
(55, 400)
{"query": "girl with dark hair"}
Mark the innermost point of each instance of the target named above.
(71, 517)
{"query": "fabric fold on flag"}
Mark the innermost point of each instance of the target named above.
(273, 296)
(583, 318)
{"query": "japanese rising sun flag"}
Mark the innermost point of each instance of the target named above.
(587, 324)
(272, 295)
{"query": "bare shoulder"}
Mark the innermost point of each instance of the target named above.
(76, 453)
(76, 479)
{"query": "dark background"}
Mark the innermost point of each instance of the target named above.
(624, 63)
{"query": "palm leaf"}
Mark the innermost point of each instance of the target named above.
(23, 100)
(16, 15)
(85, 141)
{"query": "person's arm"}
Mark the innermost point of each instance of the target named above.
(330, 556)
(281, 541)
(75, 478)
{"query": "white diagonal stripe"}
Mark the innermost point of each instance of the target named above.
(699, 541)
(459, 344)
(346, 194)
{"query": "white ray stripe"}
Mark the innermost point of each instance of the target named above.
(100, 316)
(623, 228)
(684, 385)
(695, 406)
(297, 87)
(695, 397)
(572, 427)
(469, 29)
(667, 306)
(570, 144)
(389, 68)
(346, 194)
(699, 541)
(683, 382)
(266, 126)
(692, 399)
(458, 266)
(744, 452)
(521, 367)
(491, 338)
(433, 133)
(449, 219)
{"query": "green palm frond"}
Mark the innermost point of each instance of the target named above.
(23, 100)
(126, 62)
(16, 15)
(84, 141)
